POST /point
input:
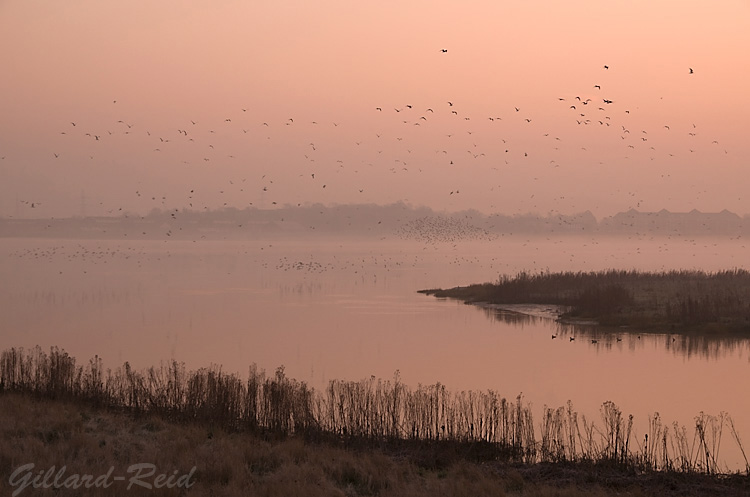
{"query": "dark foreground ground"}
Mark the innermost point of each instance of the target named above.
(107, 444)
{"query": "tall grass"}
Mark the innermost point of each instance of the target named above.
(370, 410)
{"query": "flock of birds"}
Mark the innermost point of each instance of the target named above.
(408, 143)
(265, 163)
(437, 229)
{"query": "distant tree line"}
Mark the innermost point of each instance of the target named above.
(402, 219)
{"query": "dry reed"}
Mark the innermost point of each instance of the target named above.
(369, 411)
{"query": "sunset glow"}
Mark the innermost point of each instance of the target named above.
(170, 97)
(496, 239)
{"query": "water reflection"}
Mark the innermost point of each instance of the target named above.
(514, 317)
(704, 346)
(351, 310)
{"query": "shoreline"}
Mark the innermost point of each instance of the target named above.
(365, 413)
(95, 440)
(551, 311)
(682, 302)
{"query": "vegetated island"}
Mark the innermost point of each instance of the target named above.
(687, 301)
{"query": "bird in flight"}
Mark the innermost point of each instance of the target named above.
(444, 50)
(691, 70)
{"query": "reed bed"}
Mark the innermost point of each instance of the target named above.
(370, 410)
(684, 298)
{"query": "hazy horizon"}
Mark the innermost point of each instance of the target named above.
(452, 106)
(32, 214)
(445, 127)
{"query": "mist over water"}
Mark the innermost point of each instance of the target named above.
(347, 308)
(251, 203)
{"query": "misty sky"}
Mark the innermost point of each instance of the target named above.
(200, 104)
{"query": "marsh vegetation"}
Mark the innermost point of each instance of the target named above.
(665, 301)
(86, 439)
(440, 425)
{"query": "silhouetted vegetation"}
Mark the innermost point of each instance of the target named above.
(675, 300)
(440, 424)
(82, 438)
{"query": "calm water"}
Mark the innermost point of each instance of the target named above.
(349, 309)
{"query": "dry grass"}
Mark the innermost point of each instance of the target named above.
(89, 440)
(436, 426)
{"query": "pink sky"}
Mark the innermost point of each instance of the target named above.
(315, 72)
